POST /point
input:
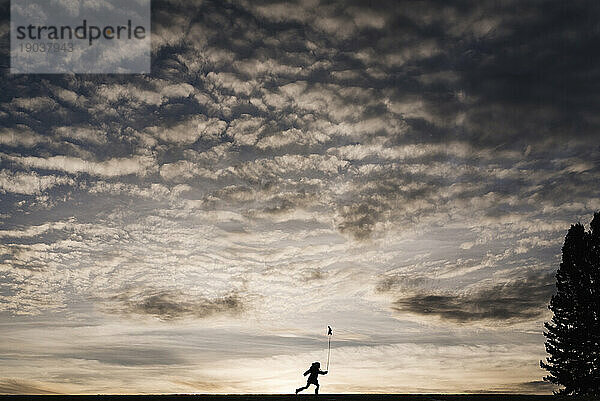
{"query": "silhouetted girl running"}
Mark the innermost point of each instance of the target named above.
(313, 378)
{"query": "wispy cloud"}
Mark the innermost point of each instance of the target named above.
(169, 305)
(18, 386)
(513, 301)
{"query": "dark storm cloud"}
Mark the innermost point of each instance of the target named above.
(513, 301)
(533, 76)
(170, 305)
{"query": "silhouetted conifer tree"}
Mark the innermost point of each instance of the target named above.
(573, 337)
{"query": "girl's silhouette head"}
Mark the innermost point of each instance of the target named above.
(316, 364)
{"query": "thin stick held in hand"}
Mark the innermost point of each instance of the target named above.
(329, 334)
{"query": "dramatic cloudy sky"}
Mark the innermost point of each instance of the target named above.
(405, 172)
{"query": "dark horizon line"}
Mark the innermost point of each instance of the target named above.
(482, 396)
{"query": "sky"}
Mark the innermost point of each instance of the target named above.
(402, 171)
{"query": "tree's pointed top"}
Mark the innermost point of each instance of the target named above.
(595, 224)
(576, 230)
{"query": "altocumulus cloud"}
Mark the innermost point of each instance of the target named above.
(401, 162)
(321, 117)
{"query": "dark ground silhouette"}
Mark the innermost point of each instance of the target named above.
(292, 397)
